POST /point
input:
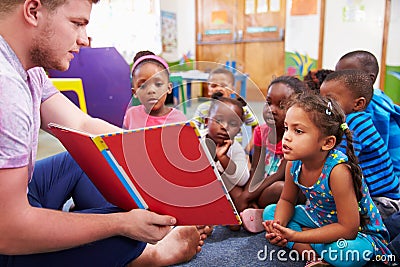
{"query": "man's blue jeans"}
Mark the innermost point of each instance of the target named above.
(55, 180)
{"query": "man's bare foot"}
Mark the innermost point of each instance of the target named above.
(205, 231)
(178, 246)
(252, 220)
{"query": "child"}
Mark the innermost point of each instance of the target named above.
(384, 113)
(340, 223)
(314, 78)
(268, 165)
(353, 91)
(224, 122)
(222, 80)
(150, 84)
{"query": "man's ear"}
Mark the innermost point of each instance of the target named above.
(360, 104)
(206, 122)
(329, 143)
(31, 11)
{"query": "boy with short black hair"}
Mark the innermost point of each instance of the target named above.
(353, 90)
(384, 113)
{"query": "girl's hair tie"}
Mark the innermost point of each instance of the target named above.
(328, 110)
(344, 126)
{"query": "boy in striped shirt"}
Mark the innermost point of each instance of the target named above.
(353, 90)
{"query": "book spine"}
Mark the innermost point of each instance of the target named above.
(120, 173)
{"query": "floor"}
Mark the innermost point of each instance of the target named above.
(49, 145)
(224, 247)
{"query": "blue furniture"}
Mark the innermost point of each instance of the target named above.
(177, 85)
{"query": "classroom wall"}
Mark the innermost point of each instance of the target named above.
(352, 25)
(392, 81)
(301, 41)
(134, 25)
(349, 25)
(128, 25)
(186, 28)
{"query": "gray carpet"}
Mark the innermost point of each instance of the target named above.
(227, 248)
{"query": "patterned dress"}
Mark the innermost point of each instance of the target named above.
(322, 208)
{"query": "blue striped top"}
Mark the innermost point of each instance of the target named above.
(373, 156)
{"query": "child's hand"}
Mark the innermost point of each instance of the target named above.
(273, 234)
(268, 226)
(285, 232)
(222, 149)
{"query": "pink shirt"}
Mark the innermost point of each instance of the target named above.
(136, 117)
(261, 139)
(273, 153)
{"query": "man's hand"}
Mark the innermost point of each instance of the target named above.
(146, 226)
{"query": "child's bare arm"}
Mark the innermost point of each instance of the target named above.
(257, 184)
(285, 206)
(221, 153)
(347, 211)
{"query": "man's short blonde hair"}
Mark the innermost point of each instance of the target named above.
(7, 6)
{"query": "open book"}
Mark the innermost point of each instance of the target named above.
(166, 169)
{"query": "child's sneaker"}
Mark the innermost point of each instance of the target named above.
(317, 263)
(252, 220)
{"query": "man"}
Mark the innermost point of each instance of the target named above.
(33, 232)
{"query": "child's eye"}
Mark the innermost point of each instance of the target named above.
(159, 84)
(286, 128)
(233, 124)
(213, 85)
(298, 131)
(142, 86)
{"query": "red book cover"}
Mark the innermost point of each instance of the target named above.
(166, 169)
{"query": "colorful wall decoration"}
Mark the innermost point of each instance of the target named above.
(392, 83)
(169, 32)
(298, 65)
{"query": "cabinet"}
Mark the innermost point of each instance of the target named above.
(250, 32)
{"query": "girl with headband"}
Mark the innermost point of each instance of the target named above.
(150, 84)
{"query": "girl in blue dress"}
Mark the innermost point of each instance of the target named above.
(340, 224)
